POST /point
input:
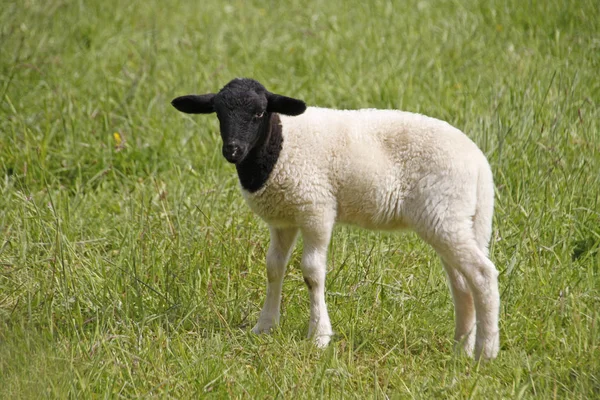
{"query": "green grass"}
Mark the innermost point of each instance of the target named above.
(136, 270)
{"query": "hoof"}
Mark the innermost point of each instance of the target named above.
(322, 341)
(487, 348)
(261, 328)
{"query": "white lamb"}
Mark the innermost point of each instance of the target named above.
(304, 169)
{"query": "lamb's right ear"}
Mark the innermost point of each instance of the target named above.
(195, 104)
(285, 105)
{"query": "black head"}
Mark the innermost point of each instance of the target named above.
(243, 107)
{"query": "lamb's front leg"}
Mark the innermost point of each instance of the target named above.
(278, 255)
(314, 265)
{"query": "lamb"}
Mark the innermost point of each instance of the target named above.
(304, 169)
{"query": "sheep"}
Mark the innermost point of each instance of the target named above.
(304, 169)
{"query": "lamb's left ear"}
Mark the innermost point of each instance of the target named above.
(285, 105)
(195, 104)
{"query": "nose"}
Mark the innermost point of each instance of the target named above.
(232, 152)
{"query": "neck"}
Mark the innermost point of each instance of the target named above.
(255, 169)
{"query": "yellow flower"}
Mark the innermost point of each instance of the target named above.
(118, 139)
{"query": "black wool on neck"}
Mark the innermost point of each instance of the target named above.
(255, 169)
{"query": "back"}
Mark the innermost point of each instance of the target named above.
(363, 163)
(371, 159)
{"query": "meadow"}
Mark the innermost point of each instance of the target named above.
(131, 267)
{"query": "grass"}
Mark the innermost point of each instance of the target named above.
(130, 266)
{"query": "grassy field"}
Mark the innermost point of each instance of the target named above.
(130, 266)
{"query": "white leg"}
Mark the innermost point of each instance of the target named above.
(464, 310)
(314, 265)
(282, 242)
(482, 279)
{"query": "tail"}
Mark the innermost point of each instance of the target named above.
(484, 209)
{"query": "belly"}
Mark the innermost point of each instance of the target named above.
(376, 207)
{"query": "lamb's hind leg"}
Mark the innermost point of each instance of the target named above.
(464, 310)
(280, 248)
(463, 254)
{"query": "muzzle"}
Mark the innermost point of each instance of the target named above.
(233, 152)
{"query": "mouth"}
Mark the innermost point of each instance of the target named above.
(232, 160)
(235, 157)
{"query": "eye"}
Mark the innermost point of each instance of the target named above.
(259, 115)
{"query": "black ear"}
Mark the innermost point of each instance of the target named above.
(195, 104)
(285, 105)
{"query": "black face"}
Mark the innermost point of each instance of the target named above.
(243, 107)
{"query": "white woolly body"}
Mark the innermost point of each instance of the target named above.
(379, 169)
(382, 169)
